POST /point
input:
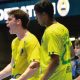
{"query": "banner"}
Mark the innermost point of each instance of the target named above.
(61, 8)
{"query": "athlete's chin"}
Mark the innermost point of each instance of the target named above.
(11, 32)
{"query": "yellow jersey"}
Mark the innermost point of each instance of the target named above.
(56, 40)
(23, 52)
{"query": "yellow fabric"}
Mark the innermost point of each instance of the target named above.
(56, 40)
(23, 52)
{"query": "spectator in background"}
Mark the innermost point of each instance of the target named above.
(77, 67)
(76, 61)
(76, 45)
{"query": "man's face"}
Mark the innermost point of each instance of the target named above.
(11, 23)
(40, 18)
(77, 48)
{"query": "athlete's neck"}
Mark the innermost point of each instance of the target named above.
(48, 23)
(22, 33)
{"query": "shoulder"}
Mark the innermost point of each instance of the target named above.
(56, 28)
(15, 40)
(31, 38)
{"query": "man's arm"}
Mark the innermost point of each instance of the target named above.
(78, 78)
(52, 67)
(32, 68)
(5, 72)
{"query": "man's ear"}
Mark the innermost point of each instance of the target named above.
(18, 21)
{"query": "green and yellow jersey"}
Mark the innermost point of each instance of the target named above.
(56, 40)
(23, 52)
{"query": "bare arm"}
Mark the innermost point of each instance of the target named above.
(5, 72)
(33, 67)
(78, 78)
(52, 67)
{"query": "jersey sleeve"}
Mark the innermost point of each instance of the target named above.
(55, 44)
(33, 50)
(35, 55)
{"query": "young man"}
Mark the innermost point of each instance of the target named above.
(25, 49)
(55, 45)
(76, 62)
(76, 45)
